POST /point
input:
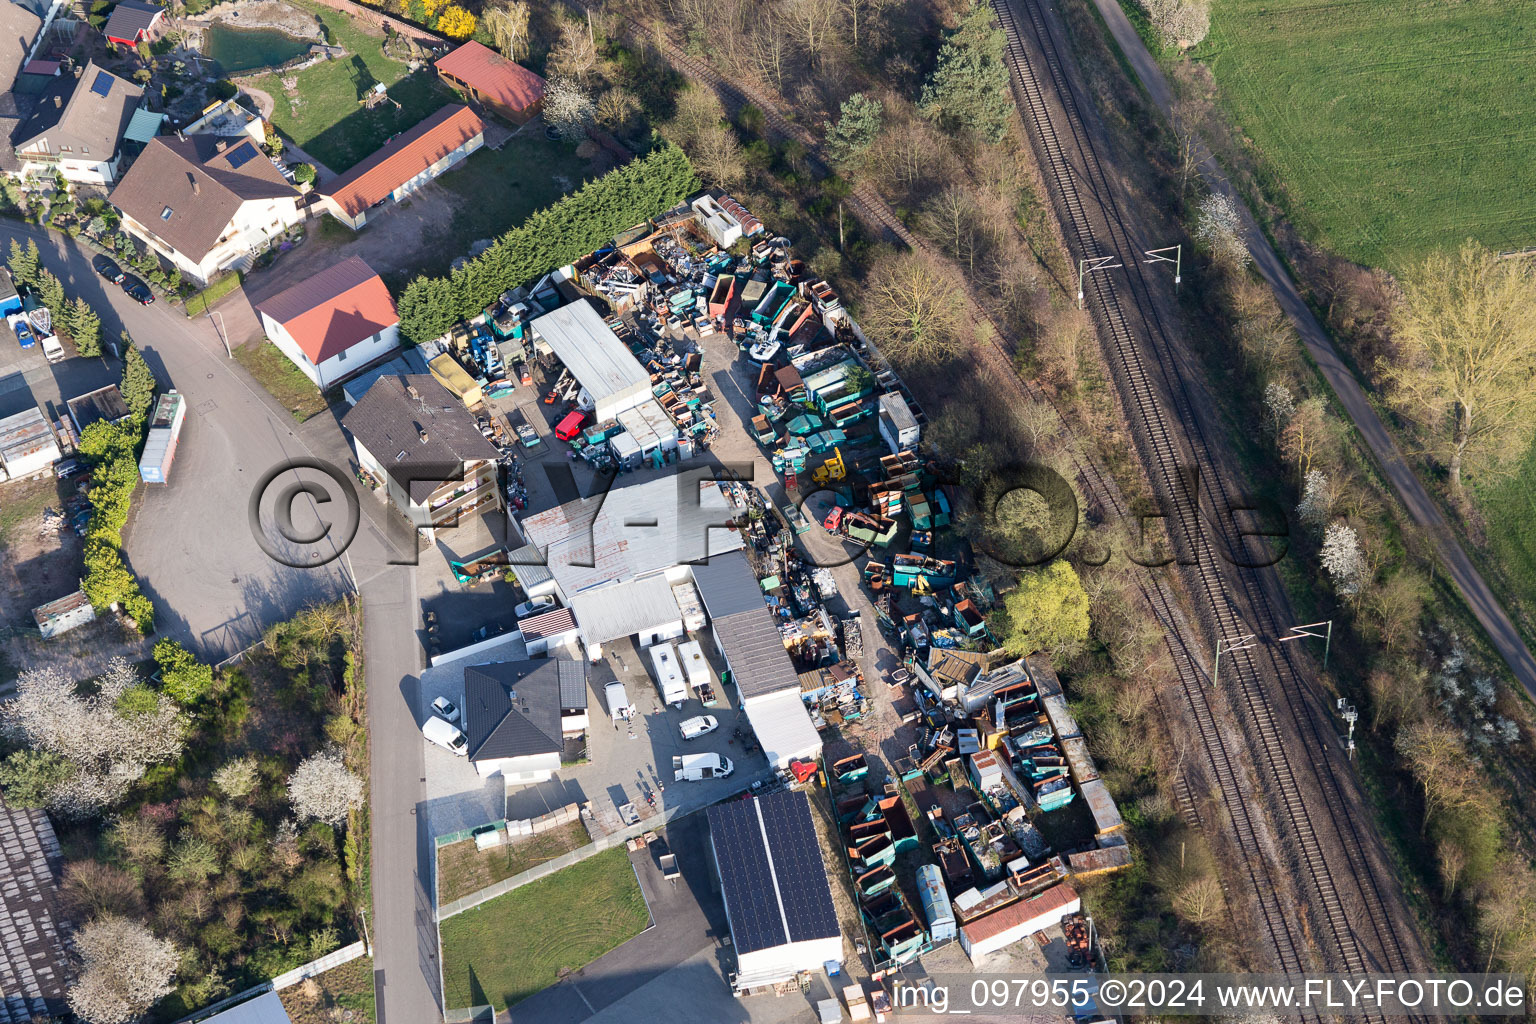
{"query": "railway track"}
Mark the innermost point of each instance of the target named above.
(1091, 217)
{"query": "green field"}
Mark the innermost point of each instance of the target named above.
(504, 951)
(1393, 126)
(323, 114)
(1509, 555)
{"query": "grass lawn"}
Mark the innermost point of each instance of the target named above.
(1393, 127)
(1509, 506)
(323, 114)
(462, 869)
(317, 1000)
(502, 187)
(283, 381)
(204, 300)
(504, 951)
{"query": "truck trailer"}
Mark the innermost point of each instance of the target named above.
(164, 432)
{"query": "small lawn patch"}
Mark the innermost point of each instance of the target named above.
(22, 509)
(462, 869)
(205, 300)
(325, 998)
(283, 381)
(323, 113)
(504, 951)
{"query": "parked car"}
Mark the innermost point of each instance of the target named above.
(700, 725)
(137, 290)
(534, 606)
(107, 267)
(445, 708)
(446, 736)
(66, 468)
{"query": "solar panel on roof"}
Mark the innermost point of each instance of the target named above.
(240, 154)
(103, 84)
(745, 879)
(798, 864)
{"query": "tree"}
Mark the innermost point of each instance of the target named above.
(25, 263)
(857, 127)
(573, 55)
(568, 110)
(324, 788)
(1316, 500)
(1047, 612)
(51, 293)
(274, 142)
(239, 778)
(1466, 335)
(1181, 23)
(138, 383)
(29, 778)
(84, 327)
(1433, 751)
(183, 678)
(957, 223)
(304, 174)
(1219, 227)
(1344, 559)
(456, 23)
(969, 88)
(1280, 404)
(913, 312)
(717, 155)
(124, 970)
(508, 25)
(110, 746)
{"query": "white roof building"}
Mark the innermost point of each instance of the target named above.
(609, 373)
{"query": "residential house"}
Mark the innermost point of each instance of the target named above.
(488, 78)
(206, 202)
(334, 323)
(407, 162)
(414, 436)
(517, 715)
(133, 22)
(76, 127)
(18, 31)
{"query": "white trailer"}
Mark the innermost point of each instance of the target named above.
(697, 767)
(669, 674)
(692, 656)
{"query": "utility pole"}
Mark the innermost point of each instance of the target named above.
(1301, 632)
(1349, 714)
(1242, 643)
(1161, 256)
(1088, 266)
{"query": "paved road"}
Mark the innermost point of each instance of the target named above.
(1410, 490)
(214, 589)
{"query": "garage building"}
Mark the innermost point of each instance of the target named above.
(990, 933)
(611, 378)
(774, 884)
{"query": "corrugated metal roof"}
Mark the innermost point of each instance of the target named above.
(34, 965)
(624, 609)
(145, 125)
(591, 351)
(1057, 897)
(727, 585)
(755, 650)
(652, 524)
(549, 624)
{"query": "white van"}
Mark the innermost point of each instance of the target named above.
(445, 735)
(700, 725)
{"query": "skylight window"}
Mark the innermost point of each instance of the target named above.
(165, 214)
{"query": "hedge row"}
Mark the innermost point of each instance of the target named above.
(583, 221)
(114, 474)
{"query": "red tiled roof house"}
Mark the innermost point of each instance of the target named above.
(335, 323)
(404, 164)
(488, 78)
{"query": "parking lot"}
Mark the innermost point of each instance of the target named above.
(625, 761)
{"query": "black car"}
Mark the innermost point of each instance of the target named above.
(137, 290)
(108, 268)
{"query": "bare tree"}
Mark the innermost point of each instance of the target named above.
(1467, 340)
(1434, 753)
(813, 21)
(1219, 227)
(573, 55)
(955, 221)
(124, 970)
(507, 22)
(717, 155)
(770, 52)
(1200, 900)
(324, 788)
(1181, 23)
(914, 311)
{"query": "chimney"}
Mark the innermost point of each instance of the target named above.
(195, 187)
(221, 144)
(423, 434)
